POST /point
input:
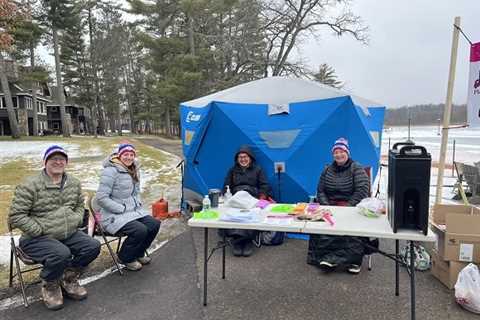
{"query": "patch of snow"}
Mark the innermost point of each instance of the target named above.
(34, 150)
(5, 248)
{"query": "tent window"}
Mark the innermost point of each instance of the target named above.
(376, 138)
(279, 139)
(278, 109)
(188, 136)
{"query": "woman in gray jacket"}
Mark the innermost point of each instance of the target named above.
(122, 213)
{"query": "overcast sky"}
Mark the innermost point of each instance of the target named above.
(408, 57)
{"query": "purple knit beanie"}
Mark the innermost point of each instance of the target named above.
(52, 150)
(341, 144)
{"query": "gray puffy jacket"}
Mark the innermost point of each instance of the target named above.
(118, 197)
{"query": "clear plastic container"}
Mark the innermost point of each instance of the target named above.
(206, 203)
(228, 194)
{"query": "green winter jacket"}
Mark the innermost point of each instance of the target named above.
(42, 208)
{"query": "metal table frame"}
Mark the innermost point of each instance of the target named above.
(395, 257)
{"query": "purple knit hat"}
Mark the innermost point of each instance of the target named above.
(126, 147)
(341, 144)
(52, 150)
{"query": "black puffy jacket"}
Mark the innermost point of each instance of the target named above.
(250, 179)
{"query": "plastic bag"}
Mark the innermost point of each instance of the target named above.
(272, 238)
(371, 207)
(242, 200)
(422, 259)
(467, 288)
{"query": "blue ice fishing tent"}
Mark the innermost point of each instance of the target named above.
(288, 121)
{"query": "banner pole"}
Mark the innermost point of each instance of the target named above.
(448, 110)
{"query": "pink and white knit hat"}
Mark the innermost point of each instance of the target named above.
(341, 144)
(126, 147)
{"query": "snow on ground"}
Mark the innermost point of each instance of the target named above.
(467, 149)
(467, 141)
(87, 172)
(33, 150)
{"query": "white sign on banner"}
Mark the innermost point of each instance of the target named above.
(473, 103)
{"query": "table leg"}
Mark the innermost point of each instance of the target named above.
(397, 268)
(412, 281)
(223, 256)
(205, 263)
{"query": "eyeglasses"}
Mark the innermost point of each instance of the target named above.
(58, 159)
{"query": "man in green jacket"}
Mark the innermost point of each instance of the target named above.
(48, 208)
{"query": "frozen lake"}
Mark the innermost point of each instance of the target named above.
(467, 149)
(467, 141)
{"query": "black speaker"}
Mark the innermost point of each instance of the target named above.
(408, 187)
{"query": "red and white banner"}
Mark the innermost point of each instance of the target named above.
(473, 103)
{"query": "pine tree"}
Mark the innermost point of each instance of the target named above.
(11, 15)
(58, 14)
(326, 75)
(28, 35)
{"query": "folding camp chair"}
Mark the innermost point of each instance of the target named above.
(462, 194)
(96, 229)
(17, 255)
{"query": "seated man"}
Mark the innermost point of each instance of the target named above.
(48, 208)
(248, 176)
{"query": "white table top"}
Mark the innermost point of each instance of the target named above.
(347, 222)
(287, 226)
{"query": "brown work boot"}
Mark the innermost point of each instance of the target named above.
(70, 284)
(52, 295)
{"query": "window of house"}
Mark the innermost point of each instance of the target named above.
(2, 103)
(54, 109)
(40, 107)
(56, 126)
(15, 102)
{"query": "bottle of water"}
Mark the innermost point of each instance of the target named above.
(228, 194)
(206, 203)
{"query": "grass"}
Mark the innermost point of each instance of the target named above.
(87, 168)
(158, 169)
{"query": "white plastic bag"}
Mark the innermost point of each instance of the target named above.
(467, 288)
(371, 207)
(243, 200)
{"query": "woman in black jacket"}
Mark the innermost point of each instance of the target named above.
(245, 175)
(342, 183)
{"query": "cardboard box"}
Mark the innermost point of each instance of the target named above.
(446, 271)
(458, 231)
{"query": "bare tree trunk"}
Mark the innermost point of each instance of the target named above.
(112, 123)
(119, 118)
(97, 115)
(60, 94)
(191, 39)
(126, 82)
(12, 118)
(167, 121)
(34, 91)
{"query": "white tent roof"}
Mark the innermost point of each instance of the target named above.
(279, 91)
